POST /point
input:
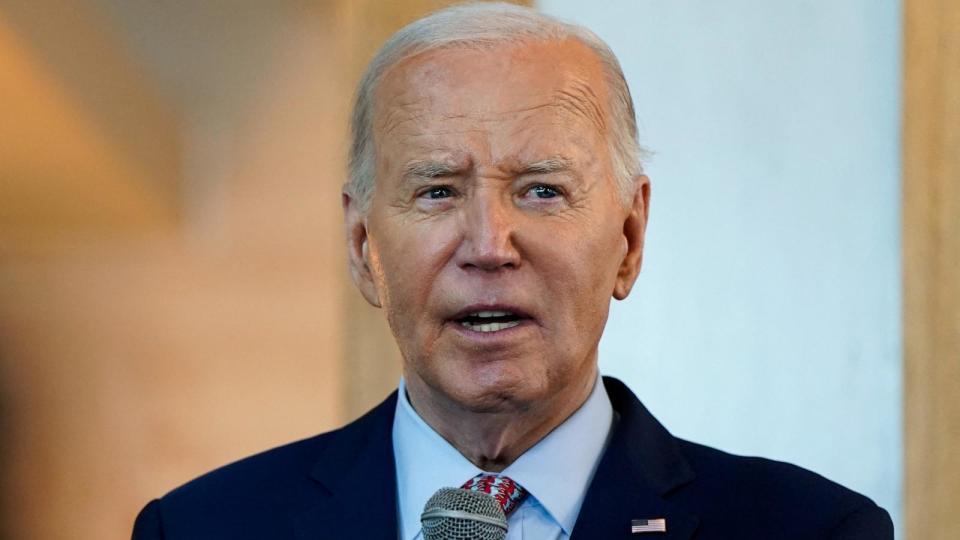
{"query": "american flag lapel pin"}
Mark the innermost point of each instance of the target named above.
(638, 526)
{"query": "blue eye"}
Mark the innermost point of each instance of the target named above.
(439, 192)
(544, 192)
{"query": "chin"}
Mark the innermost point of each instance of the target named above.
(492, 390)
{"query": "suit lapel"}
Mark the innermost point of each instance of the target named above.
(639, 468)
(356, 474)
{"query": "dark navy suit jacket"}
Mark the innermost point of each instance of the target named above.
(341, 485)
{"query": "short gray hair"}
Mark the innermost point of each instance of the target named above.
(482, 25)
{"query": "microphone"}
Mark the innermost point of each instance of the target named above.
(461, 514)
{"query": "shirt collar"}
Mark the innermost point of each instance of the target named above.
(556, 471)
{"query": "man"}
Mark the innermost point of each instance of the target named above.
(496, 203)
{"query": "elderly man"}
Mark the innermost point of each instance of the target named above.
(496, 203)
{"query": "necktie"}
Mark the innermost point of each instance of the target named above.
(507, 492)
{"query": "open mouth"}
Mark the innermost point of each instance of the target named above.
(490, 321)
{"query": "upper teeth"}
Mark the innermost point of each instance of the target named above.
(484, 314)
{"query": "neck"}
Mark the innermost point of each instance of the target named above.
(492, 440)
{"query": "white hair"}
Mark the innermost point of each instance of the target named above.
(483, 25)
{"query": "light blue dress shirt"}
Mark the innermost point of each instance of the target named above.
(556, 471)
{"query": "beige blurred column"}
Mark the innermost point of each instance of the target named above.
(931, 252)
(157, 321)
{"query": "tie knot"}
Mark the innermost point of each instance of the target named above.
(506, 492)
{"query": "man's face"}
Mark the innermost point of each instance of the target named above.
(496, 234)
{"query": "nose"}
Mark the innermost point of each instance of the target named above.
(490, 223)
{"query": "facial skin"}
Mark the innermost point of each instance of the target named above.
(495, 192)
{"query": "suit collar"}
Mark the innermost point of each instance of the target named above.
(640, 468)
(356, 473)
(650, 448)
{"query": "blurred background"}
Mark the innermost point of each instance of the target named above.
(173, 285)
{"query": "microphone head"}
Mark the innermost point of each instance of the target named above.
(461, 514)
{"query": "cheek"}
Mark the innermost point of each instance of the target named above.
(581, 276)
(415, 255)
(591, 256)
(608, 247)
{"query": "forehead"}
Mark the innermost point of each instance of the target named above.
(541, 89)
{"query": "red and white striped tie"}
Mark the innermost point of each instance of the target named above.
(507, 492)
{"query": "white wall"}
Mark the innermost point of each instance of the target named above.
(767, 317)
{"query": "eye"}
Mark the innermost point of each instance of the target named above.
(438, 192)
(541, 191)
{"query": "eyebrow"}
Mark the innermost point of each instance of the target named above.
(547, 166)
(429, 169)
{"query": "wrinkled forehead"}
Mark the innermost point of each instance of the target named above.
(489, 83)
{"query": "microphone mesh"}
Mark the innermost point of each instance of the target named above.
(463, 528)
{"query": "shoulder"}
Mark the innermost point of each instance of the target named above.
(734, 491)
(271, 471)
(237, 499)
(251, 497)
(739, 496)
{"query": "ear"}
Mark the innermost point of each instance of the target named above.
(634, 229)
(358, 249)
